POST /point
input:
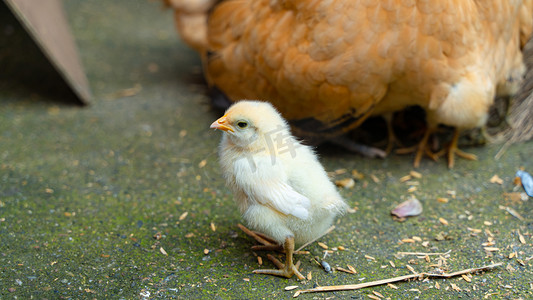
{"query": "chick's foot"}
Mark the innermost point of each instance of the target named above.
(267, 242)
(284, 270)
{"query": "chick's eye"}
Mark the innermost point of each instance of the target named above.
(242, 124)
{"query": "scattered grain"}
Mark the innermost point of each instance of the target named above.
(415, 174)
(291, 287)
(492, 249)
(351, 268)
(340, 171)
(378, 294)
(405, 178)
(411, 269)
(496, 179)
(443, 200)
(443, 221)
(344, 270)
(466, 278)
(521, 237)
(374, 178)
(183, 216)
(202, 163)
(357, 176)
(322, 245)
(346, 183)
(474, 230)
(163, 251)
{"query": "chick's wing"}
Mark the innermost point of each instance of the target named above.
(264, 180)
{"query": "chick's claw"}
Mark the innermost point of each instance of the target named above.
(284, 270)
(267, 242)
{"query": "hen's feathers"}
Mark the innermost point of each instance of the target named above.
(327, 65)
(334, 63)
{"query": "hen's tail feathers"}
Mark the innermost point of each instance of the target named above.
(520, 127)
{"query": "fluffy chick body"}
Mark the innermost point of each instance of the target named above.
(281, 188)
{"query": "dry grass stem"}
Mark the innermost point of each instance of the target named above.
(395, 279)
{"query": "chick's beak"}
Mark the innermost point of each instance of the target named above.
(222, 124)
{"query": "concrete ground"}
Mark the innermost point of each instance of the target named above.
(123, 199)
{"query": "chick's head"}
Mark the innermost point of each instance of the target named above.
(247, 123)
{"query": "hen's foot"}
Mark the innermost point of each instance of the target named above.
(453, 150)
(420, 149)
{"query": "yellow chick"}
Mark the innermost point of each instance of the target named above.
(279, 185)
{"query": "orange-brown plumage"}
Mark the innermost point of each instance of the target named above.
(328, 65)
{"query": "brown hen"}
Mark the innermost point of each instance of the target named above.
(328, 65)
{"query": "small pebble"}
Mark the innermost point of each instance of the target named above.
(527, 182)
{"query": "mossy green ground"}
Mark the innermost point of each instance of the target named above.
(84, 190)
